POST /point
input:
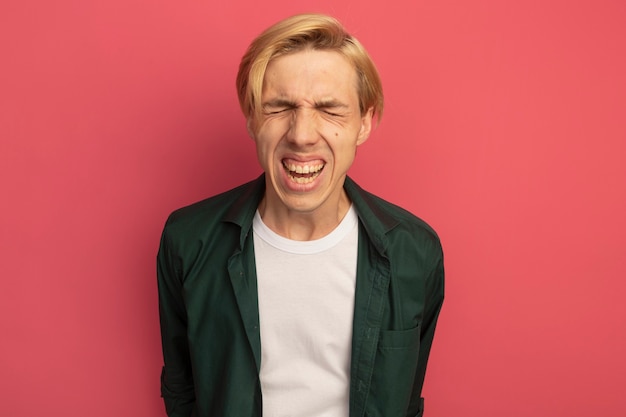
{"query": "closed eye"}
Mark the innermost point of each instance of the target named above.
(332, 108)
(332, 113)
(275, 111)
(277, 106)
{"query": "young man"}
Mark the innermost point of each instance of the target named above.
(299, 294)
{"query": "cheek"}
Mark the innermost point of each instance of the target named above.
(262, 146)
(272, 131)
(264, 150)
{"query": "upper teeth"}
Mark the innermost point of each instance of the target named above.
(304, 169)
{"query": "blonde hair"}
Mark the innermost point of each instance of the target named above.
(296, 33)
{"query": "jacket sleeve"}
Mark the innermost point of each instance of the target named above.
(434, 301)
(177, 387)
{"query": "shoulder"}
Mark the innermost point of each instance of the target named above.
(393, 220)
(203, 210)
(203, 217)
(412, 236)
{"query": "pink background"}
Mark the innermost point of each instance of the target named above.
(504, 128)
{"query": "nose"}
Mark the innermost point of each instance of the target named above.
(303, 127)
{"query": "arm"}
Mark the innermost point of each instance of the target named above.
(177, 387)
(434, 300)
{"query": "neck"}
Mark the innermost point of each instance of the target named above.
(302, 226)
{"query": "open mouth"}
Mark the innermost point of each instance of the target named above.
(303, 173)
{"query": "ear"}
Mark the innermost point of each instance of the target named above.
(250, 127)
(366, 126)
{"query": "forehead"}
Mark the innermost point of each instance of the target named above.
(310, 74)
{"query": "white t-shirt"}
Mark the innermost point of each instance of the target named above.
(306, 307)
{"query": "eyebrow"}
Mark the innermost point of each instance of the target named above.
(279, 103)
(330, 103)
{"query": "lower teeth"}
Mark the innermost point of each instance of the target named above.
(303, 180)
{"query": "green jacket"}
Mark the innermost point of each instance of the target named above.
(209, 311)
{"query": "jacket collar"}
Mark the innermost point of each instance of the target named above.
(376, 221)
(242, 211)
